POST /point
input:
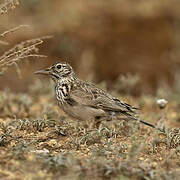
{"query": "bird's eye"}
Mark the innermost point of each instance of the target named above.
(58, 66)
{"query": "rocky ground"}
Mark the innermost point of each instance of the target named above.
(39, 141)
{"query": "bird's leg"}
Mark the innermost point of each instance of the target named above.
(98, 120)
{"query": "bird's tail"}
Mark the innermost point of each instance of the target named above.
(134, 117)
(148, 124)
(141, 121)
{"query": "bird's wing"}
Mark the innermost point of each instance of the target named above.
(97, 98)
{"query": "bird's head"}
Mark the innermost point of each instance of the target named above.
(57, 71)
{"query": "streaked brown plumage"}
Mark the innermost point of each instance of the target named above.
(83, 100)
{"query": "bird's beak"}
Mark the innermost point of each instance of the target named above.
(45, 72)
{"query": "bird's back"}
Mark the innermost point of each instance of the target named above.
(85, 100)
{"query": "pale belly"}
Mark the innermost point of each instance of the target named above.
(84, 113)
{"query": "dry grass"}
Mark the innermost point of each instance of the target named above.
(12, 30)
(4, 8)
(8, 5)
(21, 51)
(4, 34)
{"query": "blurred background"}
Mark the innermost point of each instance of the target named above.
(134, 42)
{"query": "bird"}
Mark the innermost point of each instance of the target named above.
(84, 100)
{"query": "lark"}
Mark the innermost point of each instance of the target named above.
(85, 101)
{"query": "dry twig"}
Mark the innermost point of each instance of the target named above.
(5, 33)
(20, 51)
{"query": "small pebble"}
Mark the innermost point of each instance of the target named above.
(161, 103)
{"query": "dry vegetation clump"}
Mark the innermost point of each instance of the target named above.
(14, 105)
(8, 5)
(127, 84)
